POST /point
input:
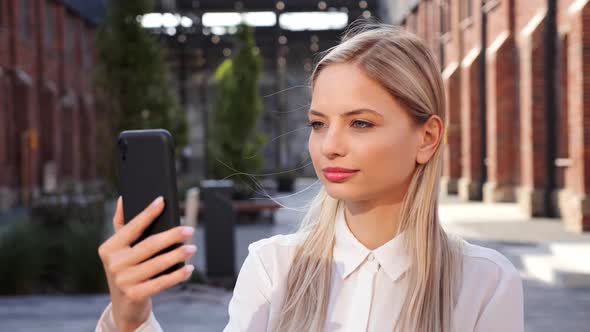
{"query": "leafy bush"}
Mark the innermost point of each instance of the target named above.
(22, 255)
(55, 251)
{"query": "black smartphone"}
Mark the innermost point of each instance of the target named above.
(147, 170)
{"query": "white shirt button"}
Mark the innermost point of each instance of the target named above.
(371, 257)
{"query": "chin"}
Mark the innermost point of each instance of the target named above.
(341, 191)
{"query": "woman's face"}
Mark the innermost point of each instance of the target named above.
(379, 140)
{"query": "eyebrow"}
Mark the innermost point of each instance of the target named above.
(349, 113)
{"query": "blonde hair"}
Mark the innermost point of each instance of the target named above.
(402, 64)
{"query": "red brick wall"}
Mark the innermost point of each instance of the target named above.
(470, 117)
(452, 80)
(452, 152)
(533, 142)
(563, 26)
(471, 144)
(501, 114)
(3, 129)
(524, 11)
(579, 101)
(26, 52)
(472, 32)
(4, 93)
(573, 24)
(562, 108)
(51, 49)
(49, 78)
(516, 98)
(501, 109)
(453, 46)
(498, 20)
(36, 85)
(5, 29)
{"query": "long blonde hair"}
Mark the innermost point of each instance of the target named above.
(402, 64)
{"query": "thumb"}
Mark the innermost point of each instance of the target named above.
(118, 219)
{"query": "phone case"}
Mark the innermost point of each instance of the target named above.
(147, 170)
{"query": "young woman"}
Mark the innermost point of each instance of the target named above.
(370, 254)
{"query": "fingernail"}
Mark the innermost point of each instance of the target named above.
(157, 201)
(191, 248)
(187, 230)
(189, 268)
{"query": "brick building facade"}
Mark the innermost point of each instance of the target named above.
(517, 78)
(47, 125)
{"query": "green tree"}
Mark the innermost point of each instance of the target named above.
(234, 139)
(133, 88)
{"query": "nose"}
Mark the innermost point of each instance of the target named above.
(333, 143)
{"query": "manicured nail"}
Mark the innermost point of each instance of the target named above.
(191, 248)
(187, 230)
(189, 268)
(157, 201)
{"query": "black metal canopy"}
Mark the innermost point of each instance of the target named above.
(264, 5)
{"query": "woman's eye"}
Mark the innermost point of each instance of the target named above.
(364, 124)
(361, 124)
(313, 123)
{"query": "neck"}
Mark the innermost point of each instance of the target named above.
(373, 224)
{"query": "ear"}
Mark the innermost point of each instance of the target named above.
(431, 134)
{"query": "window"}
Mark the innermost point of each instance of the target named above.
(445, 17)
(69, 38)
(49, 25)
(25, 18)
(466, 9)
(86, 56)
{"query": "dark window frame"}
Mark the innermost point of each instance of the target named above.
(69, 40)
(466, 9)
(445, 20)
(24, 19)
(50, 26)
(86, 53)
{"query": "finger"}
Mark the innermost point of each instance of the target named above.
(152, 287)
(118, 219)
(157, 242)
(134, 228)
(152, 267)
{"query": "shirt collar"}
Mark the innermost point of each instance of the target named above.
(349, 252)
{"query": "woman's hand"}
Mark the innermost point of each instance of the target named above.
(128, 269)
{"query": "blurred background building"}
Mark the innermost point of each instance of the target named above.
(514, 73)
(46, 97)
(516, 76)
(73, 73)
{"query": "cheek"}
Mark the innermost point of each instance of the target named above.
(313, 149)
(387, 162)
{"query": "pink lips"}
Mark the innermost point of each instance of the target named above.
(337, 174)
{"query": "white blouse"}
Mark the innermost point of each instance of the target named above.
(365, 289)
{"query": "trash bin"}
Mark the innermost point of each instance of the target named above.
(219, 220)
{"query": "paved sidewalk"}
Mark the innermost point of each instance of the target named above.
(540, 247)
(548, 308)
(550, 305)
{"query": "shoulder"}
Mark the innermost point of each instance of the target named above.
(276, 242)
(488, 272)
(491, 295)
(276, 251)
(486, 260)
(274, 255)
